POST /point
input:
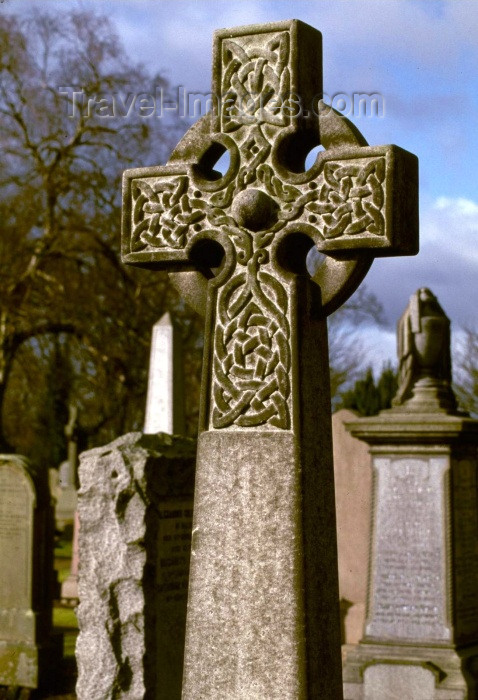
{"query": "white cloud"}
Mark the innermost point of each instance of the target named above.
(447, 263)
(459, 207)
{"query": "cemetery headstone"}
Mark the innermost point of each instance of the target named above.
(69, 587)
(353, 494)
(27, 648)
(135, 540)
(135, 505)
(420, 635)
(66, 501)
(263, 618)
(66, 506)
(165, 397)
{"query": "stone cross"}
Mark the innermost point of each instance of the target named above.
(165, 399)
(263, 617)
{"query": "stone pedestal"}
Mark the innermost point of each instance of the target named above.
(69, 587)
(135, 509)
(421, 630)
(28, 650)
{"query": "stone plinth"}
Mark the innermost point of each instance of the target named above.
(421, 629)
(353, 492)
(65, 507)
(27, 651)
(69, 587)
(135, 508)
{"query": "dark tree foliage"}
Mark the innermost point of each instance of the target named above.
(75, 324)
(368, 397)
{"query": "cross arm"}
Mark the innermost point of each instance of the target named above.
(156, 216)
(356, 200)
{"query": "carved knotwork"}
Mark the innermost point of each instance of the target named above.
(251, 384)
(163, 213)
(255, 82)
(350, 198)
(346, 199)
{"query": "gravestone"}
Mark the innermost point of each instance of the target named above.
(421, 629)
(27, 648)
(263, 618)
(135, 506)
(135, 540)
(66, 502)
(66, 506)
(165, 397)
(353, 495)
(69, 587)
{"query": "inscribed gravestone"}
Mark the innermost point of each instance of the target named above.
(26, 574)
(423, 588)
(263, 587)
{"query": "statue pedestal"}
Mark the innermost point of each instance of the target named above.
(421, 628)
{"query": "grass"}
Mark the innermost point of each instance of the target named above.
(64, 617)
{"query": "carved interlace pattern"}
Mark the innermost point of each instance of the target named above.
(164, 213)
(350, 198)
(346, 199)
(255, 83)
(252, 344)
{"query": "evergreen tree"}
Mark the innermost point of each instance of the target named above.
(368, 397)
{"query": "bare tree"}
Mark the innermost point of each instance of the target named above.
(348, 355)
(465, 362)
(62, 287)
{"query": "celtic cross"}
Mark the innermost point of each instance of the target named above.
(263, 610)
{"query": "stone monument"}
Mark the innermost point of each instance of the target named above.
(135, 506)
(69, 587)
(420, 638)
(66, 505)
(66, 501)
(353, 495)
(165, 398)
(263, 617)
(27, 647)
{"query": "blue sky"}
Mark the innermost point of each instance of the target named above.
(420, 55)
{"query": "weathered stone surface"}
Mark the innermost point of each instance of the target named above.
(26, 574)
(69, 587)
(135, 506)
(423, 583)
(396, 682)
(353, 500)
(165, 397)
(264, 446)
(66, 504)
